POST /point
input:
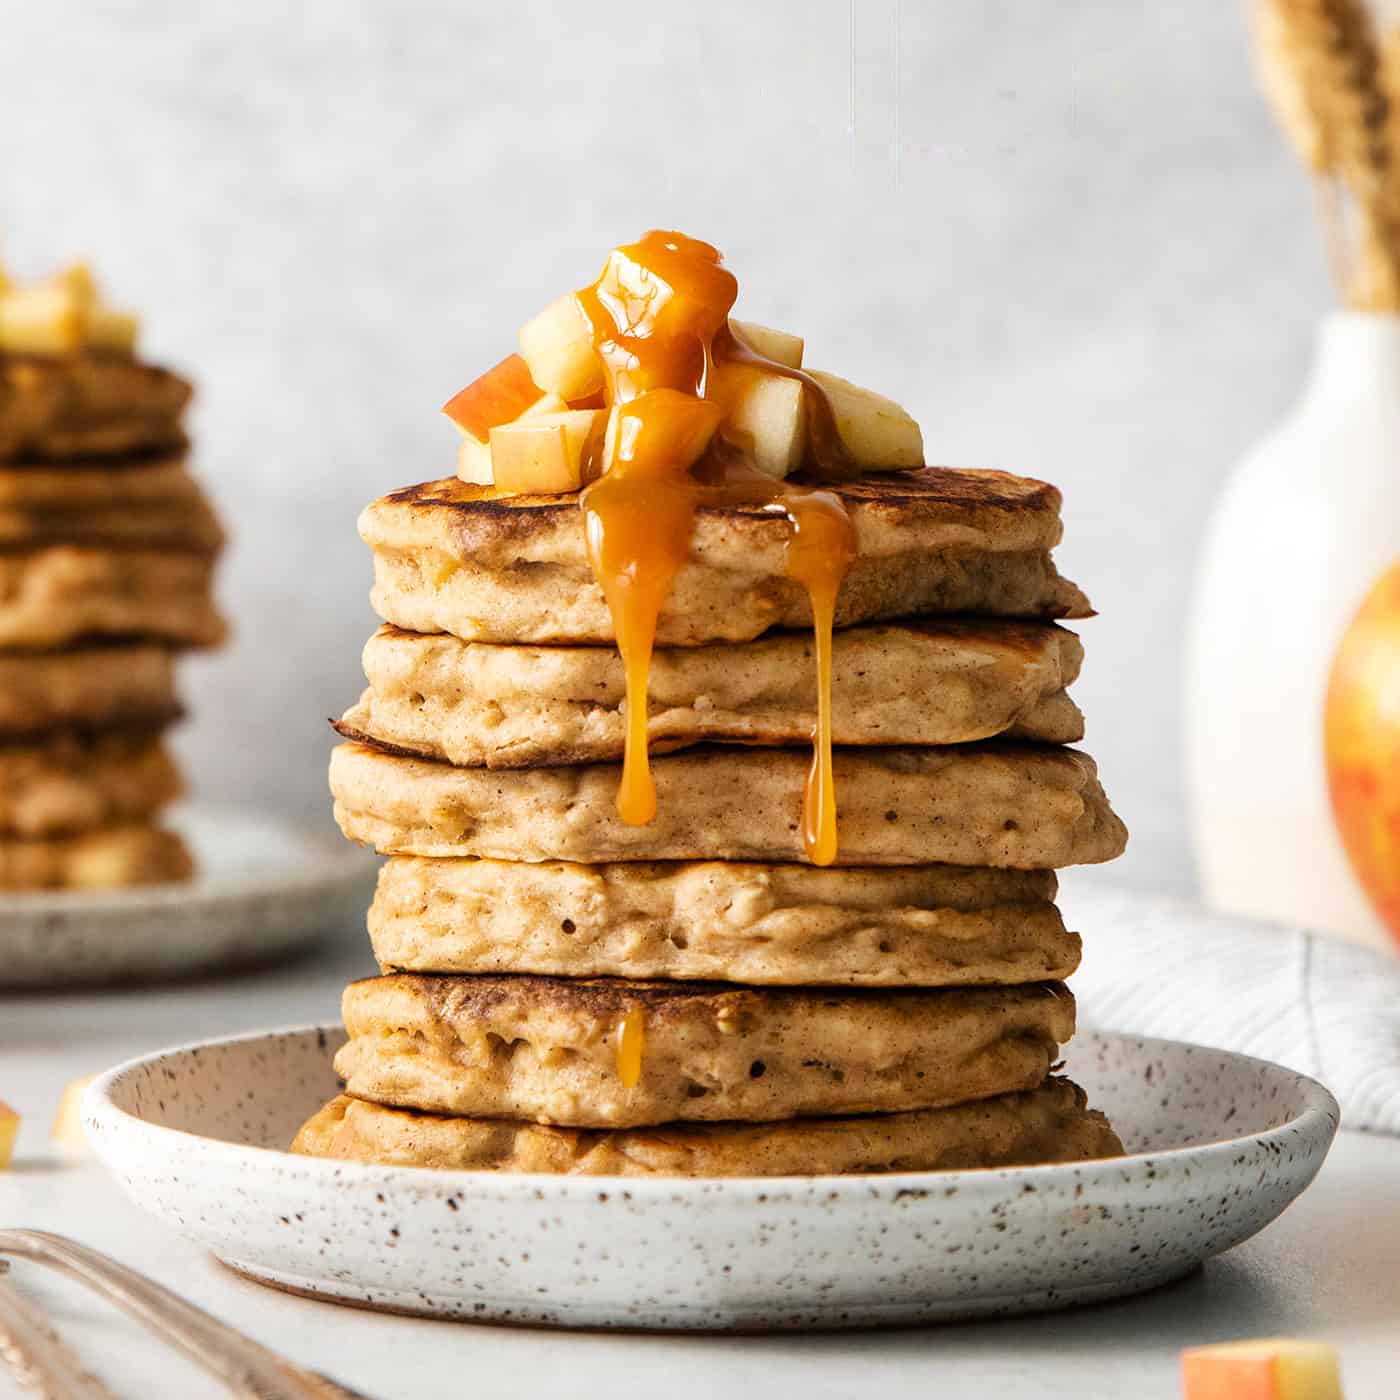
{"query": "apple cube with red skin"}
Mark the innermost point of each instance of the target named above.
(781, 347)
(543, 453)
(1271, 1369)
(500, 395)
(558, 348)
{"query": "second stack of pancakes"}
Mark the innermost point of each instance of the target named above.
(107, 551)
(561, 991)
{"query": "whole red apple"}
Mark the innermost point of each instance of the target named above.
(1363, 745)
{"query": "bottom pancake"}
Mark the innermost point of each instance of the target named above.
(1048, 1124)
(113, 858)
(608, 1053)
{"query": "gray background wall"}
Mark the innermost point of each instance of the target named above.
(1065, 235)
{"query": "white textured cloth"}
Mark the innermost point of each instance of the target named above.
(1163, 967)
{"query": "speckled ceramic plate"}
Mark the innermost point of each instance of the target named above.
(264, 889)
(1221, 1145)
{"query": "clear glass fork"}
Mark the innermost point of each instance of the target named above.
(250, 1370)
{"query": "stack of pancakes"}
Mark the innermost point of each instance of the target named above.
(107, 547)
(564, 992)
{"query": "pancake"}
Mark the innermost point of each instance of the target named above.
(1048, 1124)
(53, 597)
(995, 804)
(947, 682)
(67, 784)
(543, 1049)
(100, 687)
(91, 403)
(112, 858)
(910, 926)
(452, 557)
(145, 502)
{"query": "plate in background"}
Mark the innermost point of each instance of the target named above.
(264, 889)
(1221, 1143)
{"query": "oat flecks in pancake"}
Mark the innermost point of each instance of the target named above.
(1051, 1123)
(541, 1049)
(768, 925)
(937, 682)
(450, 557)
(87, 404)
(1007, 805)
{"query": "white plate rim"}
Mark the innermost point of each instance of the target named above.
(1320, 1115)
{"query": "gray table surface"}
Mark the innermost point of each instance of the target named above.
(1330, 1268)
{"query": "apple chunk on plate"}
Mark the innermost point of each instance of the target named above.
(558, 348)
(545, 452)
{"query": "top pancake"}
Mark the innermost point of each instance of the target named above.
(91, 403)
(453, 557)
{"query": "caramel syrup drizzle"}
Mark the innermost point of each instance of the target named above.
(660, 316)
(630, 1047)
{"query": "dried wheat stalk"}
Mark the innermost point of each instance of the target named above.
(1321, 69)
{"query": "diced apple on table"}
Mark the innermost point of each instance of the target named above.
(1270, 1369)
(9, 1131)
(67, 1131)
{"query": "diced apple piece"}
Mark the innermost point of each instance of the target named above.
(769, 415)
(1272, 1369)
(9, 1132)
(111, 330)
(779, 346)
(558, 347)
(77, 278)
(500, 395)
(545, 452)
(877, 432)
(40, 321)
(474, 461)
(67, 1130)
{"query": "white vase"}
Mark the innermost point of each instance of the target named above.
(1306, 524)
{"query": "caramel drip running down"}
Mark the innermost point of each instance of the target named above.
(631, 1045)
(660, 318)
